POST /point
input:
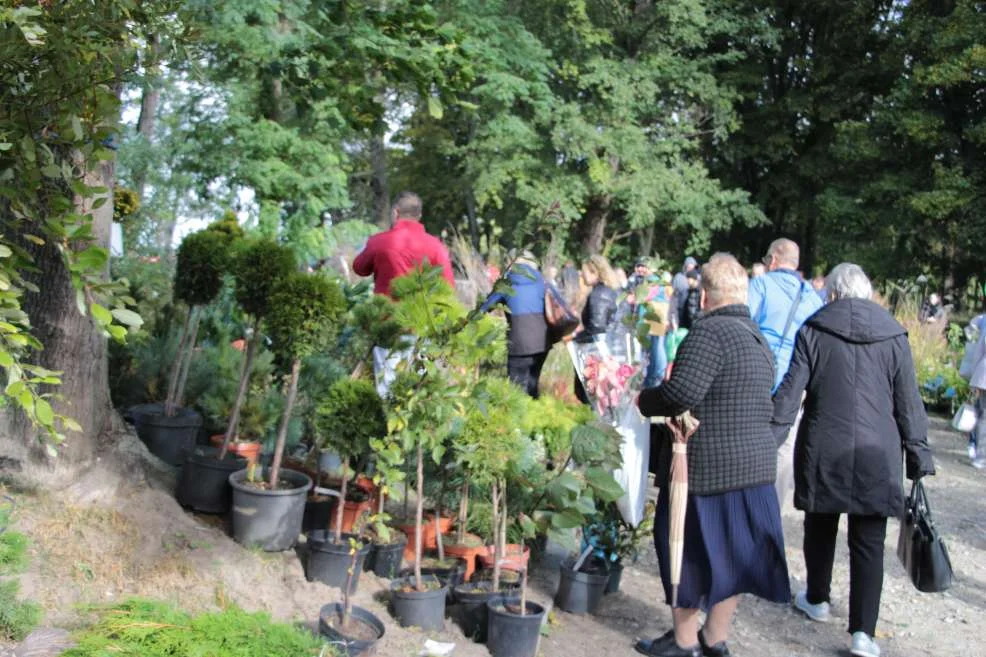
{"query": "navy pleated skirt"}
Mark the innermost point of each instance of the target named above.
(734, 543)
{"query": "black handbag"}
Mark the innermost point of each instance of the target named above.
(920, 548)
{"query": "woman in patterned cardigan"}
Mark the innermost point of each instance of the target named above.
(734, 542)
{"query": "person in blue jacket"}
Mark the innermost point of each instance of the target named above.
(528, 337)
(780, 301)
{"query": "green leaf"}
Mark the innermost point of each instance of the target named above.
(435, 109)
(567, 519)
(71, 425)
(101, 314)
(127, 317)
(605, 487)
(80, 301)
(5, 251)
(42, 410)
(93, 258)
(6, 360)
(77, 128)
(117, 332)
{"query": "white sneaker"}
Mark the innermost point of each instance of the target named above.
(972, 452)
(822, 612)
(863, 645)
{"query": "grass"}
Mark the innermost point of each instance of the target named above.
(17, 618)
(144, 628)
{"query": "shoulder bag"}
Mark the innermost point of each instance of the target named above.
(920, 548)
(560, 318)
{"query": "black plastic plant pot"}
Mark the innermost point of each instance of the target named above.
(385, 560)
(449, 576)
(317, 514)
(328, 561)
(204, 481)
(470, 608)
(413, 608)
(615, 576)
(269, 519)
(510, 633)
(580, 592)
(136, 414)
(355, 639)
(168, 437)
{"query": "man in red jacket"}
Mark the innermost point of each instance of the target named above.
(401, 249)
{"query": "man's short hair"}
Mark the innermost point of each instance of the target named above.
(786, 252)
(724, 280)
(408, 204)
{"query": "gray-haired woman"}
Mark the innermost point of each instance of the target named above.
(862, 410)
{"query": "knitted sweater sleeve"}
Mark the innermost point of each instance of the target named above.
(695, 368)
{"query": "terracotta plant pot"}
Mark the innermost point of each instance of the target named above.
(466, 551)
(515, 557)
(351, 513)
(248, 450)
(428, 539)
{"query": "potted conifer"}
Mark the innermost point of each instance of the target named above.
(350, 415)
(202, 261)
(268, 510)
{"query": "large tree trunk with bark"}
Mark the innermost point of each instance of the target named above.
(74, 346)
(595, 223)
(379, 182)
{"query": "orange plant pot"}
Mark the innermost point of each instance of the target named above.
(513, 559)
(248, 450)
(351, 513)
(467, 552)
(428, 536)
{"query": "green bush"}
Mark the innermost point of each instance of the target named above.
(349, 417)
(257, 266)
(302, 313)
(143, 628)
(228, 225)
(13, 553)
(202, 261)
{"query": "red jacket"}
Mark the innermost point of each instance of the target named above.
(399, 250)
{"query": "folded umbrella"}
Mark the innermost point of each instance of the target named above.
(682, 428)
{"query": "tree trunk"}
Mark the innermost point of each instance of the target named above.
(379, 183)
(73, 345)
(460, 531)
(647, 241)
(189, 355)
(341, 504)
(282, 431)
(419, 516)
(595, 223)
(149, 100)
(234, 416)
(473, 219)
(170, 402)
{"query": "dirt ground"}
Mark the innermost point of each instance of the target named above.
(110, 537)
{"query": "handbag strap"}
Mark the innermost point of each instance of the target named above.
(919, 499)
(795, 302)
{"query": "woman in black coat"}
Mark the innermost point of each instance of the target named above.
(599, 312)
(862, 410)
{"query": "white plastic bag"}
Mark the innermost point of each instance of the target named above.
(635, 449)
(965, 418)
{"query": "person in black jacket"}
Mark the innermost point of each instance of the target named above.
(734, 540)
(599, 312)
(862, 409)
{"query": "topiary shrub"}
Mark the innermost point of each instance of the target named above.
(349, 417)
(257, 266)
(303, 312)
(228, 225)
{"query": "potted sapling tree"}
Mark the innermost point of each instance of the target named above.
(351, 629)
(257, 267)
(486, 449)
(202, 261)
(350, 415)
(615, 541)
(425, 404)
(268, 510)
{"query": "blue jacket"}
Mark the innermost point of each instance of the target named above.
(770, 298)
(528, 329)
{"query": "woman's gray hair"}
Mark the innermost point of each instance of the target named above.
(848, 281)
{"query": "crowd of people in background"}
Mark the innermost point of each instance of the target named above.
(800, 386)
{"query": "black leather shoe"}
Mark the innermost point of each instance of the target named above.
(718, 650)
(665, 646)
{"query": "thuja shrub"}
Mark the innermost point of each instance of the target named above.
(147, 628)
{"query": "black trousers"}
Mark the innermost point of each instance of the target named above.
(526, 370)
(866, 536)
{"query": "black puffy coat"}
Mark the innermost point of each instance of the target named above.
(598, 314)
(862, 409)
